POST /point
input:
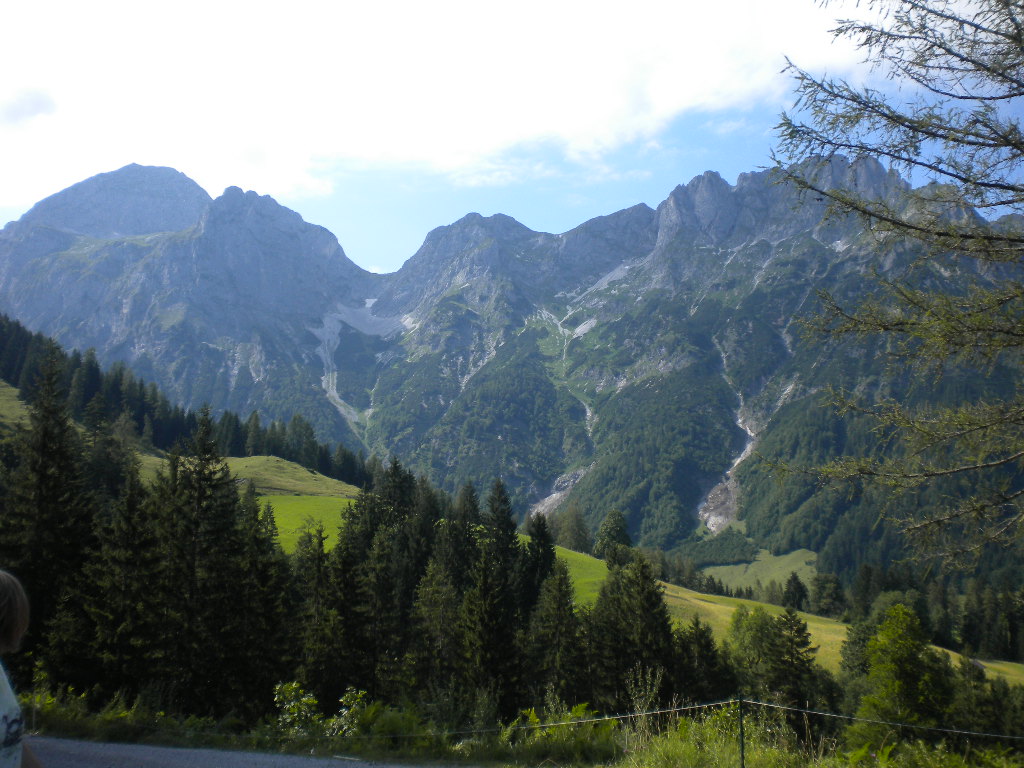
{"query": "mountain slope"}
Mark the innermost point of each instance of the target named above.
(632, 362)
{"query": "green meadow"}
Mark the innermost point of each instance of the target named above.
(767, 568)
(274, 476)
(12, 410)
(828, 635)
(294, 513)
(298, 495)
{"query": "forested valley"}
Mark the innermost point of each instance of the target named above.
(429, 613)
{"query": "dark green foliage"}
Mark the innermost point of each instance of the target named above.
(702, 673)
(537, 561)
(628, 633)
(456, 546)
(664, 441)
(436, 659)
(492, 610)
(540, 426)
(266, 633)
(198, 509)
(553, 651)
(827, 597)
(47, 526)
(571, 529)
(119, 598)
(611, 536)
(728, 547)
(906, 681)
(322, 666)
(774, 659)
(794, 594)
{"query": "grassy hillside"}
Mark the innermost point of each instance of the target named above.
(588, 574)
(827, 634)
(294, 512)
(767, 567)
(274, 476)
(296, 493)
(683, 604)
(12, 410)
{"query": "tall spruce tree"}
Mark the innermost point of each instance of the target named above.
(265, 632)
(456, 544)
(436, 662)
(628, 629)
(491, 609)
(702, 672)
(47, 525)
(110, 637)
(198, 507)
(323, 661)
(553, 650)
(537, 562)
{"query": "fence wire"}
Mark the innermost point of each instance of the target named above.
(678, 710)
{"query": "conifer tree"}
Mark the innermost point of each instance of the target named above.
(456, 544)
(265, 634)
(489, 624)
(436, 657)
(323, 659)
(572, 531)
(702, 674)
(537, 561)
(491, 609)
(629, 628)
(198, 508)
(254, 441)
(47, 526)
(120, 596)
(794, 594)
(553, 644)
(381, 626)
(907, 682)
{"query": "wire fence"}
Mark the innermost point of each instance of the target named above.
(744, 707)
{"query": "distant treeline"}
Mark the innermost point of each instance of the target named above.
(973, 616)
(116, 396)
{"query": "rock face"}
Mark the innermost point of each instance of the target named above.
(625, 363)
(212, 299)
(135, 200)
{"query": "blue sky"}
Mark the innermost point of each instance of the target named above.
(383, 121)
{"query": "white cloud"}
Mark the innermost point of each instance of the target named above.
(25, 105)
(279, 97)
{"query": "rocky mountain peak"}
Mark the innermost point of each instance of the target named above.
(705, 210)
(134, 200)
(236, 203)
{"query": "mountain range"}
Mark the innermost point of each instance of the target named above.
(634, 362)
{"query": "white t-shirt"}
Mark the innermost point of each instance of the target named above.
(12, 726)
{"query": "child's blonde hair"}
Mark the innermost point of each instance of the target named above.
(13, 612)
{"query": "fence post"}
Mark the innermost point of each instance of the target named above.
(742, 755)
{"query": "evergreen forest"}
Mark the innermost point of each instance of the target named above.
(175, 596)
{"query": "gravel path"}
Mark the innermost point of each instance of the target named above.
(65, 753)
